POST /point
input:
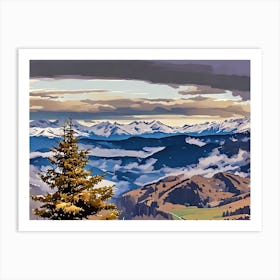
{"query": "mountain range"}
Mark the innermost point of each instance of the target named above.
(141, 157)
(151, 129)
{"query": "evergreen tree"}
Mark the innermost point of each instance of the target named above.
(75, 195)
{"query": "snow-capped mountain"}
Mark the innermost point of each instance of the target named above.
(229, 126)
(53, 128)
(46, 123)
(157, 129)
(52, 132)
(109, 129)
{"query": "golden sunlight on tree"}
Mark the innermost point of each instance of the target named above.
(75, 195)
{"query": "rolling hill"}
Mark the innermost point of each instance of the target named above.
(223, 196)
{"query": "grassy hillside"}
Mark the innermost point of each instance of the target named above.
(194, 213)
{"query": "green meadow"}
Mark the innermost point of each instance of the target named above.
(194, 213)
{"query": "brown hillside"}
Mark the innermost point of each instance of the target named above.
(173, 192)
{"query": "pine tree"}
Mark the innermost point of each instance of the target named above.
(75, 195)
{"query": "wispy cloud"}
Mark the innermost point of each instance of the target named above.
(194, 141)
(103, 152)
(141, 106)
(200, 89)
(45, 92)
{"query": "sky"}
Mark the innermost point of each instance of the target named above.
(174, 92)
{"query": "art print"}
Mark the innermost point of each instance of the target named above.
(141, 138)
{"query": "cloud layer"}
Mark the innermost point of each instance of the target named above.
(143, 106)
(227, 74)
(127, 89)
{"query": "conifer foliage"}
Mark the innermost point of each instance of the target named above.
(75, 195)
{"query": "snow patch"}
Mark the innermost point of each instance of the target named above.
(40, 154)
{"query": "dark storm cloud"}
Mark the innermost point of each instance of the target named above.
(225, 67)
(245, 95)
(229, 74)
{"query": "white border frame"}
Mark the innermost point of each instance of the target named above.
(254, 55)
